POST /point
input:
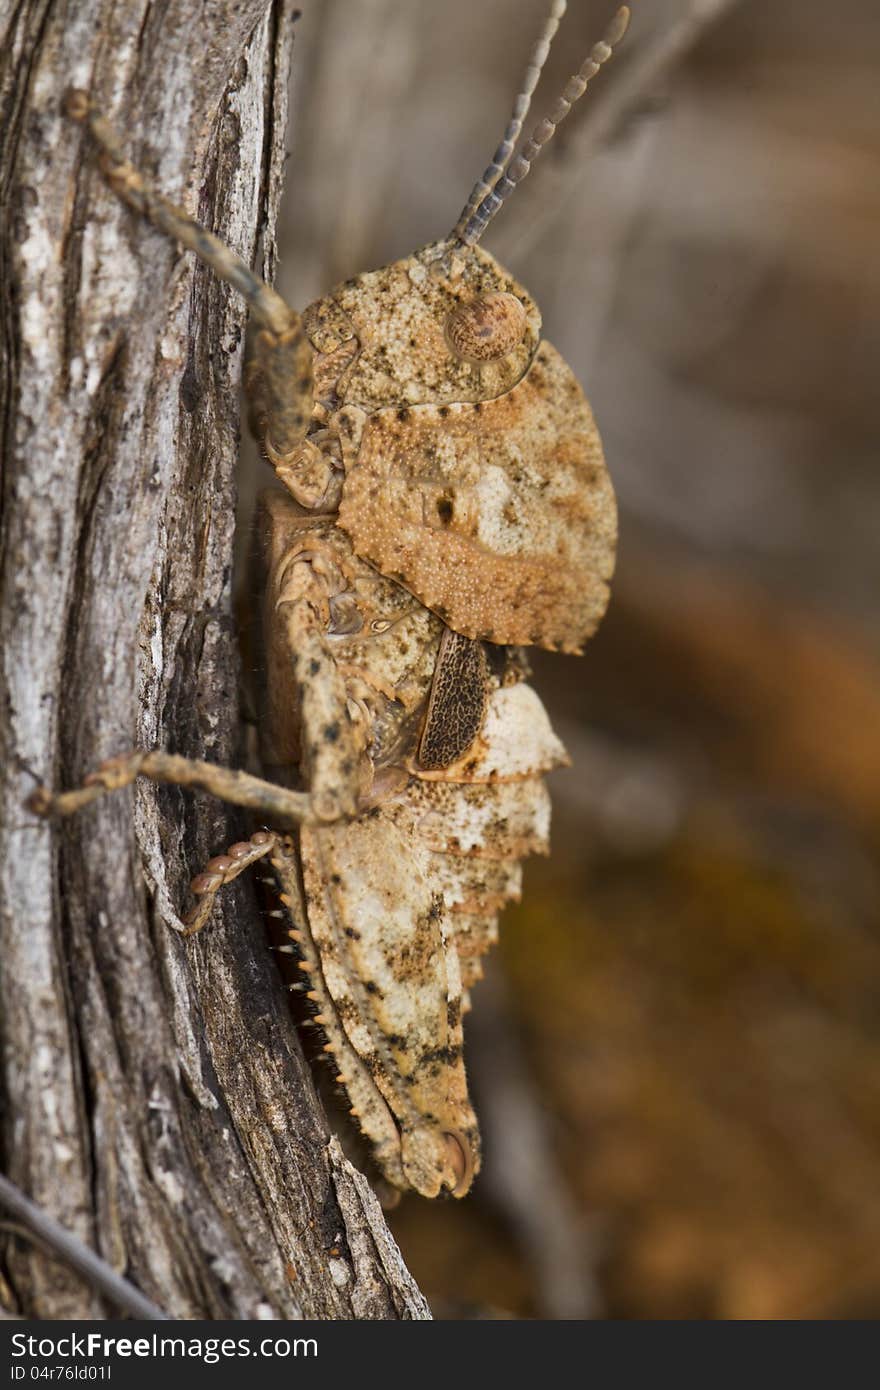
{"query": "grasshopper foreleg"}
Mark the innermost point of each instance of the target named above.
(282, 372)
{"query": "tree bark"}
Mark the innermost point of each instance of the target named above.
(155, 1099)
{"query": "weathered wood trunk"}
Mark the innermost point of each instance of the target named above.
(154, 1096)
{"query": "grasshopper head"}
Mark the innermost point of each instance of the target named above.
(448, 323)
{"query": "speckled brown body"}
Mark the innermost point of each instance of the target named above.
(446, 502)
(399, 905)
(478, 483)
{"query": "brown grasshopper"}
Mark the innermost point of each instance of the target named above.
(446, 503)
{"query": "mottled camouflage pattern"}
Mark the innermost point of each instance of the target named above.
(446, 503)
(401, 903)
(479, 484)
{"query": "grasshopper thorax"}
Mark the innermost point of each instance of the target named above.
(471, 469)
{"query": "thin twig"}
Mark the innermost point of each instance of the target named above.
(521, 1171)
(71, 1249)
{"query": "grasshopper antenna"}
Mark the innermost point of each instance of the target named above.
(478, 219)
(501, 157)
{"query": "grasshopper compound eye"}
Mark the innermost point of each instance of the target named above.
(488, 327)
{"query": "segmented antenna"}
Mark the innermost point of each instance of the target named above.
(489, 204)
(501, 157)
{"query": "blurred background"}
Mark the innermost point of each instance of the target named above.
(676, 1051)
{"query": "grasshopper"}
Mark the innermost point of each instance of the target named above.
(445, 503)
